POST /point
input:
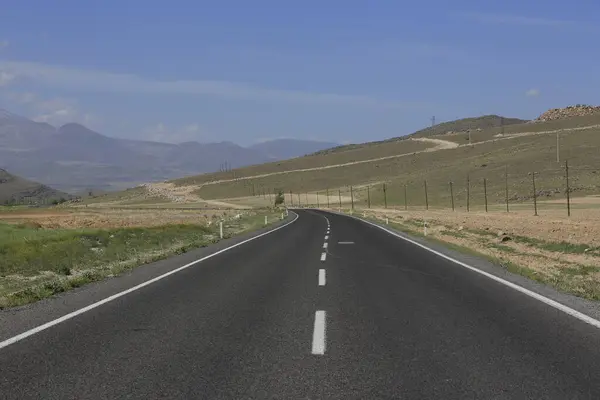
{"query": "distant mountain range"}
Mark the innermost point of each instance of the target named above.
(73, 158)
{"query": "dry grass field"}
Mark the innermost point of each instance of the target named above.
(48, 251)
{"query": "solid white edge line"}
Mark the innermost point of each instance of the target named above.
(322, 277)
(345, 242)
(318, 343)
(73, 314)
(552, 303)
(323, 256)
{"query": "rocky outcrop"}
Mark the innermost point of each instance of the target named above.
(579, 110)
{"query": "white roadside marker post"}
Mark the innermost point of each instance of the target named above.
(265, 219)
(221, 229)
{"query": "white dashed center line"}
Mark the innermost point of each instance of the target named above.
(323, 256)
(326, 237)
(324, 245)
(321, 277)
(318, 343)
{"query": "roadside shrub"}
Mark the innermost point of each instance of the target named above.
(279, 199)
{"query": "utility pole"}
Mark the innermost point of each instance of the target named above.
(433, 121)
(452, 195)
(557, 147)
(506, 185)
(426, 198)
(385, 195)
(468, 191)
(534, 194)
(568, 188)
(485, 194)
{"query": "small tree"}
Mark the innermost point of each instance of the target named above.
(279, 199)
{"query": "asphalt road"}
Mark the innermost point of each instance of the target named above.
(383, 319)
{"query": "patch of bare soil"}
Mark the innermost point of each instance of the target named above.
(184, 194)
(439, 144)
(554, 226)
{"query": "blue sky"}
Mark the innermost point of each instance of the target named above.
(247, 71)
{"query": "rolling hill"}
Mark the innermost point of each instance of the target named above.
(497, 159)
(466, 124)
(16, 190)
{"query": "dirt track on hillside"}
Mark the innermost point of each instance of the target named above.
(440, 144)
(184, 193)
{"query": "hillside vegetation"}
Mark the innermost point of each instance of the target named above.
(352, 153)
(523, 149)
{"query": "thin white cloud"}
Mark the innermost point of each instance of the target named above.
(192, 128)
(155, 129)
(507, 19)
(55, 111)
(22, 97)
(163, 133)
(270, 138)
(6, 78)
(99, 81)
(532, 93)
(66, 114)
